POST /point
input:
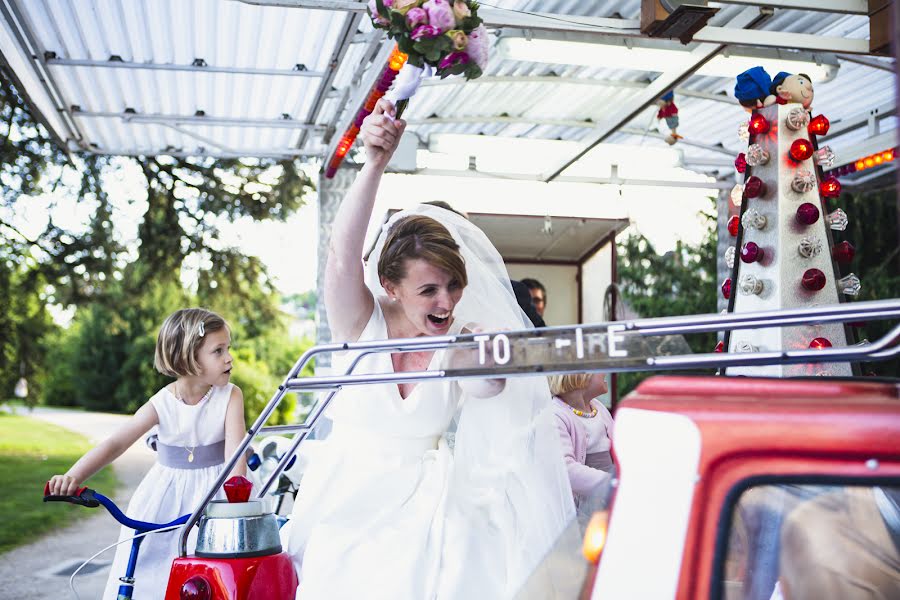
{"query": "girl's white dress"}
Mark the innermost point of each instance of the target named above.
(166, 493)
(388, 511)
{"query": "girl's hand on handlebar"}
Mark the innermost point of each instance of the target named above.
(63, 485)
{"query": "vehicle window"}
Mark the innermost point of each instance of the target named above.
(793, 542)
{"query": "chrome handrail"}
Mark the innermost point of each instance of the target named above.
(882, 349)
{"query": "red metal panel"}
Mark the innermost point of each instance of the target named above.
(769, 427)
(260, 578)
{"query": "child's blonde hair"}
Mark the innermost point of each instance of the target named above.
(180, 338)
(563, 384)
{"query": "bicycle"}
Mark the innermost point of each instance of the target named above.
(89, 498)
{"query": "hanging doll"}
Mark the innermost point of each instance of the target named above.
(752, 89)
(669, 112)
(792, 88)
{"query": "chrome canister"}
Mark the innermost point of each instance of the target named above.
(236, 530)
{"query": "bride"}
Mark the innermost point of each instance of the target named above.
(388, 509)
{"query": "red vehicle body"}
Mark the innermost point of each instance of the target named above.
(259, 578)
(750, 433)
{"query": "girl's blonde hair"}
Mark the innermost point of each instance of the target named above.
(180, 338)
(563, 384)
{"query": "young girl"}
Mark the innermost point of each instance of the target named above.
(201, 421)
(584, 427)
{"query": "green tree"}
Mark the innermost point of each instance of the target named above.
(681, 282)
(122, 289)
(874, 232)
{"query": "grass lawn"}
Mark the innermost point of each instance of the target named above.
(32, 451)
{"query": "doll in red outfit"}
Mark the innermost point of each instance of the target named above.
(669, 112)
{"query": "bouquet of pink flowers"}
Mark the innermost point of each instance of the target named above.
(445, 34)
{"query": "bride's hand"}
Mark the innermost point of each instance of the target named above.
(381, 133)
(477, 387)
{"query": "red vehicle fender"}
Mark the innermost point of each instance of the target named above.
(269, 577)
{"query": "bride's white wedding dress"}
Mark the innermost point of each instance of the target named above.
(387, 510)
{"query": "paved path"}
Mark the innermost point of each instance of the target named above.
(42, 568)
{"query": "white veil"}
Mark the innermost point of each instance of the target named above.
(510, 497)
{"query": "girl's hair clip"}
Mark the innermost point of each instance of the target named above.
(201, 330)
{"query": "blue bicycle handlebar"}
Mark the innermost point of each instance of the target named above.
(122, 518)
(90, 498)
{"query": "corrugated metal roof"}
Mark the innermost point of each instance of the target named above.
(227, 34)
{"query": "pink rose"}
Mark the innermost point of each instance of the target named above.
(425, 32)
(453, 59)
(459, 39)
(478, 46)
(440, 14)
(415, 17)
(461, 10)
(373, 12)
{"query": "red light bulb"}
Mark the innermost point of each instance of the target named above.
(801, 150)
(758, 124)
(237, 489)
(843, 252)
(818, 126)
(720, 347)
(813, 280)
(754, 187)
(726, 289)
(196, 588)
(820, 343)
(807, 213)
(740, 163)
(734, 224)
(751, 252)
(830, 188)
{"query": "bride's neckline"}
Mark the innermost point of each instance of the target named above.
(434, 353)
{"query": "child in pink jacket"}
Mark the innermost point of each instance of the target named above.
(584, 426)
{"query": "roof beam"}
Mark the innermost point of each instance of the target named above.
(847, 7)
(708, 147)
(868, 146)
(351, 24)
(560, 123)
(715, 185)
(297, 71)
(863, 119)
(493, 17)
(31, 51)
(884, 65)
(286, 154)
(780, 39)
(164, 119)
(555, 79)
(748, 17)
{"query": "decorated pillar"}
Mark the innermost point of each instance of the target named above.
(331, 193)
(782, 255)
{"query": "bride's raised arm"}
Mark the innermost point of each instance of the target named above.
(348, 301)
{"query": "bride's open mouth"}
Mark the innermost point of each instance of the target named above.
(439, 319)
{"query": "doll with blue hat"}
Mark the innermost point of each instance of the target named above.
(792, 88)
(752, 89)
(669, 112)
